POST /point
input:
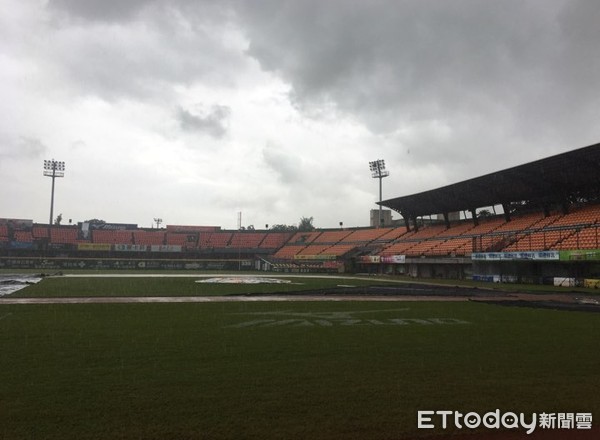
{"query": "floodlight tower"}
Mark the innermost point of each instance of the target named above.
(54, 169)
(378, 171)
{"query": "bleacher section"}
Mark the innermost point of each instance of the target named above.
(577, 229)
(533, 231)
(64, 235)
(112, 237)
(275, 240)
(245, 240)
(142, 237)
(212, 240)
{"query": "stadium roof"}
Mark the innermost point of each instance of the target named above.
(556, 179)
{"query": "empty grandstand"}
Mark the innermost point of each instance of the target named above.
(529, 222)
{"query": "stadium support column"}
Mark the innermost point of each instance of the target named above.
(54, 169)
(406, 222)
(506, 209)
(447, 220)
(378, 171)
(474, 216)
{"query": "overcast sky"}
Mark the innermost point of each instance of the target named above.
(193, 111)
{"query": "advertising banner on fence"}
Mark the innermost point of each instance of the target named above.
(315, 257)
(165, 248)
(21, 245)
(586, 254)
(93, 247)
(121, 264)
(370, 259)
(377, 259)
(512, 256)
(394, 259)
(131, 247)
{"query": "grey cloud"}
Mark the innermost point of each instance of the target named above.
(525, 66)
(149, 47)
(128, 10)
(24, 148)
(213, 121)
(99, 9)
(287, 167)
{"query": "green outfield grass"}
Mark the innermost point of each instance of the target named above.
(283, 370)
(86, 286)
(173, 286)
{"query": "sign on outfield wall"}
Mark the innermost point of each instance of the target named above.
(388, 259)
(131, 247)
(511, 256)
(586, 254)
(394, 259)
(315, 257)
(165, 248)
(93, 246)
(370, 259)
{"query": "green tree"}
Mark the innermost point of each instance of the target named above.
(306, 224)
(284, 228)
(95, 221)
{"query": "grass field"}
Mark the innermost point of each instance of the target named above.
(310, 370)
(172, 286)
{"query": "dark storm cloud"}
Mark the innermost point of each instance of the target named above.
(141, 49)
(101, 10)
(527, 67)
(214, 121)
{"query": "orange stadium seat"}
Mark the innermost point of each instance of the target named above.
(40, 232)
(453, 247)
(64, 235)
(365, 235)
(392, 234)
(148, 238)
(288, 251)
(112, 237)
(214, 240)
(247, 240)
(331, 236)
(304, 237)
(274, 240)
(181, 239)
(24, 236)
(314, 249)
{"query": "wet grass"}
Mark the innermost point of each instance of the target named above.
(171, 286)
(199, 371)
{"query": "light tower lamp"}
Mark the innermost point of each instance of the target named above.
(54, 169)
(378, 171)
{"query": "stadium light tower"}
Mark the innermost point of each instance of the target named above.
(54, 169)
(378, 171)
